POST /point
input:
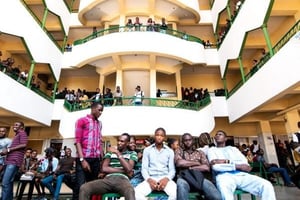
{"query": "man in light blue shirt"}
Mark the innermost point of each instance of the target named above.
(158, 169)
(231, 168)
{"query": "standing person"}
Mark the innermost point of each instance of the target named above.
(138, 96)
(88, 142)
(4, 143)
(14, 158)
(295, 144)
(118, 164)
(118, 96)
(231, 169)
(190, 158)
(254, 147)
(158, 169)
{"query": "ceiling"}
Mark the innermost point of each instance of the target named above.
(109, 11)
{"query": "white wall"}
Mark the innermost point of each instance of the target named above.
(190, 52)
(278, 74)
(143, 120)
(21, 100)
(251, 16)
(41, 47)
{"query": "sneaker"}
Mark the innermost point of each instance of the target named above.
(290, 185)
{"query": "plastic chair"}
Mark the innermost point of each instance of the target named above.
(239, 193)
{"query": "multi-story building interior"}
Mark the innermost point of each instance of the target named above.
(250, 67)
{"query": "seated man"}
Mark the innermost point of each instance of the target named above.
(231, 169)
(273, 168)
(65, 166)
(118, 165)
(47, 167)
(190, 158)
(158, 169)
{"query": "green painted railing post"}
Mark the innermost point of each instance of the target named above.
(225, 87)
(54, 90)
(267, 38)
(241, 69)
(228, 10)
(44, 17)
(30, 73)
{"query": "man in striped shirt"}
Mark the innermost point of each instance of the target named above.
(14, 158)
(118, 166)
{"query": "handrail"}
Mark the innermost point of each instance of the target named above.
(264, 60)
(129, 101)
(143, 28)
(36, 90)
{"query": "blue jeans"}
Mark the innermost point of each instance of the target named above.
(284, 174)
(48, 182)
(208, 189)
(8, 181)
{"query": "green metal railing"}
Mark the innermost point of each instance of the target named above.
(142, 28)
(129, 101)
(264, 60)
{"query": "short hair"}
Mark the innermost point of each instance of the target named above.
(171, 141)
(21, 123)
(221, 131)
(127, 136)
(299, 124)
(95, 104)
(185, 134)
(160, 129)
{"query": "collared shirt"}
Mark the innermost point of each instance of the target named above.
(194, 155)
(230, 153)
(158, 163)
(16, 157)
(45, 163)
(4, 143)
(88, 134)
(115, 161)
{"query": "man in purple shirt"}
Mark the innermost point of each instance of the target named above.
(14, 158)
(88, 142)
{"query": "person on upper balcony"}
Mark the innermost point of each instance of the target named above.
(138, 96)
(137, 24)
(150, 24)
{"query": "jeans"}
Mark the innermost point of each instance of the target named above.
(284, 174)
(8, 181)
(114, 183)
(84, 176)
(48, 182)
(208, 189)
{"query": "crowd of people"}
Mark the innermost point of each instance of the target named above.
(173, 166)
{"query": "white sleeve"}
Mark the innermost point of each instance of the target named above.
(295, 138)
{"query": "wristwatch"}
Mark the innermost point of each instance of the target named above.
(81, 159)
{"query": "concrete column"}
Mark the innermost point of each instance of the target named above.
(266, 142)
(101, 82)
(152, 83)
(178, 84)
(291, 119)
(119, 78)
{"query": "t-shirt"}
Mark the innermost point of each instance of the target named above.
(115, 161)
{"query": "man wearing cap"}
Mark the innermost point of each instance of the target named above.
(138, 96)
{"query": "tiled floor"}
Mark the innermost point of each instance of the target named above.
(282, 193)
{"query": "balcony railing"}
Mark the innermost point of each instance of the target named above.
(142, 28)
(295, 29)
(129, 101)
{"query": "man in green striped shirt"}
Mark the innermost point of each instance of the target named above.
(118, 166)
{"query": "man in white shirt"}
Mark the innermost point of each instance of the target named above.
(231, 169)
(158, 169)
